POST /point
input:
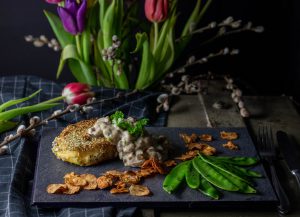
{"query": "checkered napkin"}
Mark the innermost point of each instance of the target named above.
(17, 167)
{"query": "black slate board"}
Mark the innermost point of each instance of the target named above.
(51, 170)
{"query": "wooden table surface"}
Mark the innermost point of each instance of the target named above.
(197, 111)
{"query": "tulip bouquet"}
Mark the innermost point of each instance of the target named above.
(98, 43)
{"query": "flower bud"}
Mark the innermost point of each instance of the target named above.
(244, 113)
(162, 98)
(34, 120)
(77, 93)
(156, 10)
(21, 129)
(3, 150)
(57, 112)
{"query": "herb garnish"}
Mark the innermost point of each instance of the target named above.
(135, 129)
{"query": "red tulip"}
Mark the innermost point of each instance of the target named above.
(54, 1)
(77, 93)
(156, 10)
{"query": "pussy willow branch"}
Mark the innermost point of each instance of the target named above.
(223, 32)
(229, 22)
(60, 114)
(223, 52)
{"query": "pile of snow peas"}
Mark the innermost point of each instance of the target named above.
(207, 173)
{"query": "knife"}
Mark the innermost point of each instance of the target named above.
(291, 154)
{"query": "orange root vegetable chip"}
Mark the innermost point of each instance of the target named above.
(206, 137)
(196, 146)
(74, 179)
(188, 139)
(56, 188)
(139, 190)
(114, 173)
(229, 135)
(119, 190)
(72, 189)
(209, 150)
(120, 184)
(170, 163)
(130, 177)
(158, 167)
(147, 163)
(105, 182)
(91, 181)
(203, 148)
(146, 172)
(188, 155)
(230, 145)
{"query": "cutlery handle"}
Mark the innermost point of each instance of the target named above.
(296, 173)
(284, 203)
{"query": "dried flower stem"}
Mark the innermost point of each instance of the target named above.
(60, 114)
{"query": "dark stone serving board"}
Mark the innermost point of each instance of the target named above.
(50, 170)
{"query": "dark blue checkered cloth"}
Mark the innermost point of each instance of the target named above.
(17, 167)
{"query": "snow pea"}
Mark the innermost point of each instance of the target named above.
(192, 176)
(212, 175)
(208, 189)
(239, 161)
(243, 186)
(175, 177)
(226, 168)
(246, 172)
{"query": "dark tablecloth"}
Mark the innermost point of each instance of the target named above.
(17, 167)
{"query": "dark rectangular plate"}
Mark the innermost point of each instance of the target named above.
(50, 170)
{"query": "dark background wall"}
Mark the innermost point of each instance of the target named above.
(269, 63)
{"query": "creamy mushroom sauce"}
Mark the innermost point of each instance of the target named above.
(132, 150)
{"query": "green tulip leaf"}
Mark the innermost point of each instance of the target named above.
(8, 115)
(82, 71)
(119, 11)
(108, 24)
(168, 55)
(7, 125)
(63, 37)
(103, 4)
(86, 45)
(104, 76)
(147, 68)
(17, 101)
(140, 39)
(194, 19)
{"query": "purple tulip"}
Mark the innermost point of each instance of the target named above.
(54, 1)
(73, 16)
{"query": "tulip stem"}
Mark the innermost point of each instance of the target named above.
(54, 100)
(78, 45)
(155, 35)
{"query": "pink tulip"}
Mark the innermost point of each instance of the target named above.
(54, 1)
(156, 10)
(77, 93)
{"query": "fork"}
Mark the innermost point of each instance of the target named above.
(268, 154)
